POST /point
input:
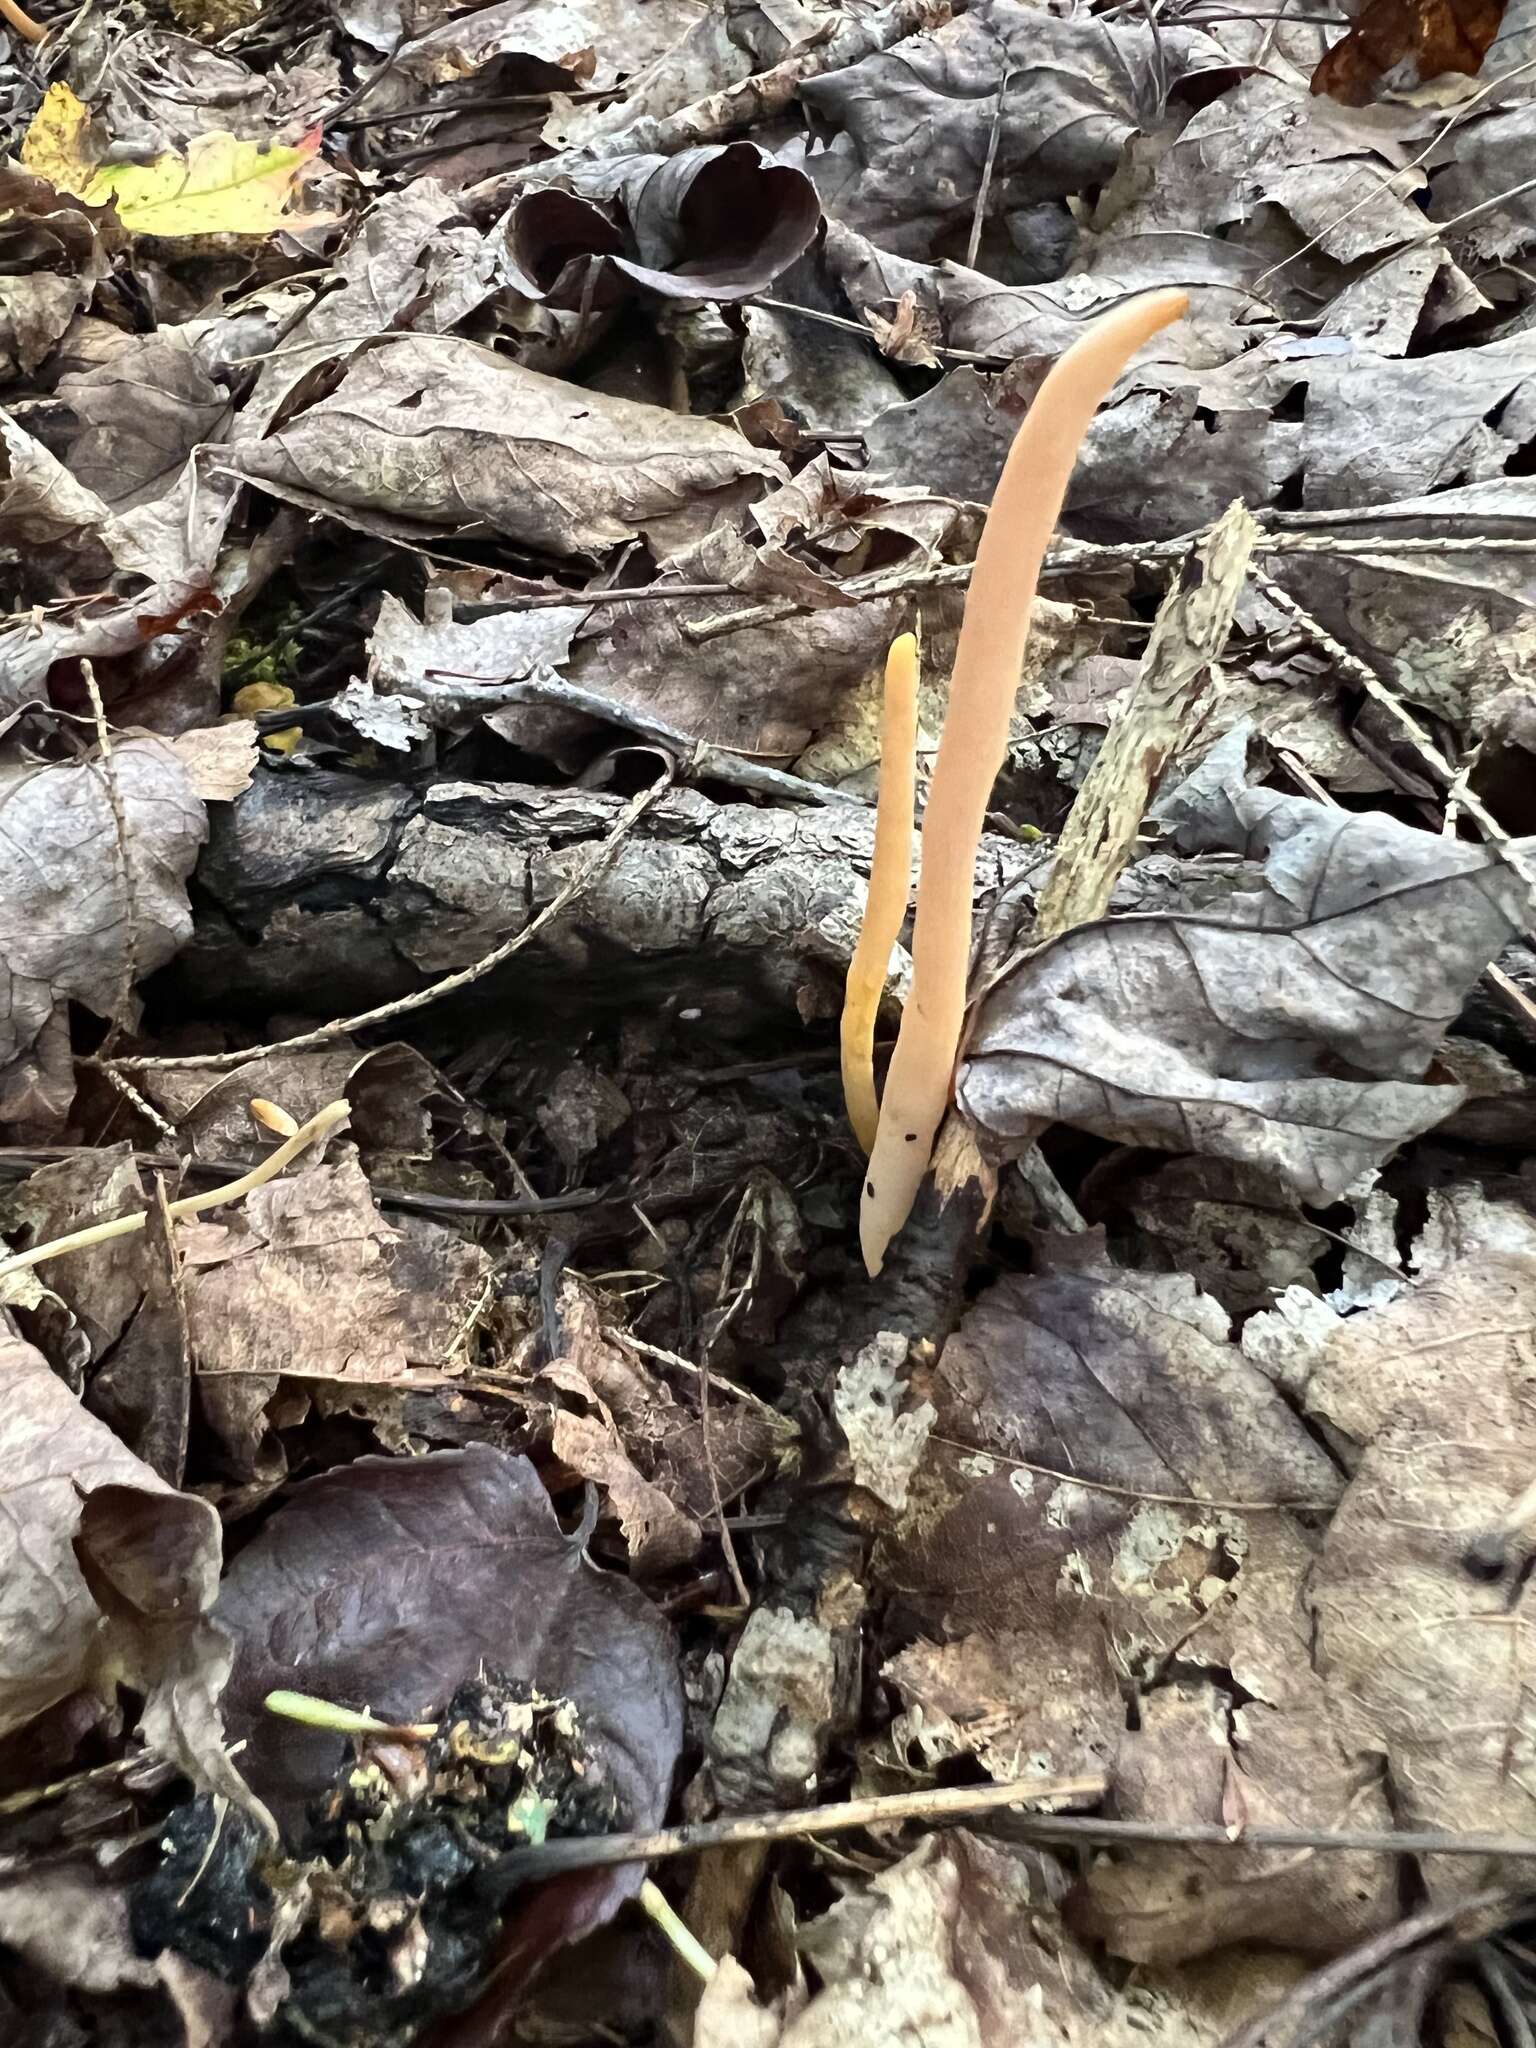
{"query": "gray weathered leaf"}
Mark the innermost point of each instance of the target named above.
(409, 655)
(714, 223)
(414, 261)
(1293, 1034)
(443, 433)
(136, 418)
(86, 913)
(1077, 90)
(155, 91)
(544, 31)
(963, 308)
(1266, 152)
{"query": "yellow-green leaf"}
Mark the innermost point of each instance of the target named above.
(220, 187)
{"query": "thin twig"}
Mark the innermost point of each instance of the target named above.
(950, 1805)
(984, 189)
(749, 1210)
(1384, 186)
(978, 358)
(343, 1027)
(945, 1805)
(1366, 1958)
(695, 756)
(1362, 673)
(630, 1342)
(121, 1008)
(1139, 1493)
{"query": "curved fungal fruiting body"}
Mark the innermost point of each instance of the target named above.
(890, 878)
(988, 658)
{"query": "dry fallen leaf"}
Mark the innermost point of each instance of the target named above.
(386, 1581)
(221, 186)
(1293, 1033)
(85, 913)
(354, 1298)
(1410, 40)
(441, 433)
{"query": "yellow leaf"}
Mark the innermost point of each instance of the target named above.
(220, 187)
(55, 146)
(262, 697)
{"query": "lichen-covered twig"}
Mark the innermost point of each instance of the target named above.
(1190, 632)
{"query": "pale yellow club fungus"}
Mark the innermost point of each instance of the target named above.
(890, 883)
(988, 659)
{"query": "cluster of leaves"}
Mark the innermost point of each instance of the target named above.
(420, 420)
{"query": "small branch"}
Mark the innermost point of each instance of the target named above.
(1192, 626)
(343, 1027)
(1468, 1917)
(320, 1123)
(694, 756)
(1366, 677)
(756, 99)
(948, 1806)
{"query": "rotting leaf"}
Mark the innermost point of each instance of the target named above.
(644, 1446)
(1292, 1034)
(356, 1299)
(954, 1946)
(1424, 38)
(1045, 1598)
(54, 250)
(387, 1581)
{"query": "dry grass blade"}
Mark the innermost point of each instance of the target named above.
(318, 1127)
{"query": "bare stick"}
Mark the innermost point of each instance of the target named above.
(1466, 1915)
(756, 99)
(952, 1805)
(343, 1027)
(1363, 674)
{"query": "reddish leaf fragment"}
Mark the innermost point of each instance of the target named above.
(1437, 35)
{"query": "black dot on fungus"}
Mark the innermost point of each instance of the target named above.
(911, 1137)
(869, 1187)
